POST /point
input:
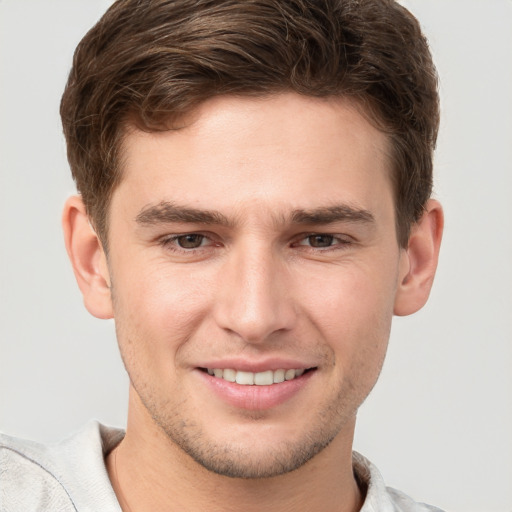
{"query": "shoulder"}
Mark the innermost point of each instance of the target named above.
(404, 503)
(49, 477)
(26, 481)
(379, 497)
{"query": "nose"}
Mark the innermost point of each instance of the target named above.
(254, 298)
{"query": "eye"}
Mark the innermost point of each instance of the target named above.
(186, 243)
(320, 240)
(323, 241)
(190, 241)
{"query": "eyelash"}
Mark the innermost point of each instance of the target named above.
(338, 242)
(171, 242)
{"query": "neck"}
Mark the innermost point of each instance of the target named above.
(149, 472)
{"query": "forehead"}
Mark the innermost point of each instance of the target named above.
(278, 152)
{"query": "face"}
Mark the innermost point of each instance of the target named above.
(254, 264)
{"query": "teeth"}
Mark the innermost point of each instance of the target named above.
(290, 374)
(246, 378)
(259, 379)
(264, 378)
(229, 375)
(279, 376)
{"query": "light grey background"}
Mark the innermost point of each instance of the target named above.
(439, 423)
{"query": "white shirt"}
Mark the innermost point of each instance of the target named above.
(70, 476)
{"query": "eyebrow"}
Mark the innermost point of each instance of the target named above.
(331, 214)
(168, 212)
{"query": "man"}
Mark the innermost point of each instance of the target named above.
(254, 206)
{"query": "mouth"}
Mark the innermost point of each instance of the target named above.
(265, 378)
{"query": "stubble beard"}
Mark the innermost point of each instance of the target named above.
(242, 460)
(236, 460)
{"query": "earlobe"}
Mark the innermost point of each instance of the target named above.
(87, 258)
(419, 261)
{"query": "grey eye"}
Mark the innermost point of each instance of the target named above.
(320, 240)
(190, 241)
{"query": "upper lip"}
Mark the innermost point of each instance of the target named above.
(257, 366)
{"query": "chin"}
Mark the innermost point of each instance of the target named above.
(250, 462)
(253, 450)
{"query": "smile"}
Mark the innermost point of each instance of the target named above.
(265, 378)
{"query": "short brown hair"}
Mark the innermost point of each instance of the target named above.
(153, 61)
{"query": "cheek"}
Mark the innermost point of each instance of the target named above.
(156, 311)
(352, 311)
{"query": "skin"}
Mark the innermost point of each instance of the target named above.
(261, 288)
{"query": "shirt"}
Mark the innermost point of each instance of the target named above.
(70, 476)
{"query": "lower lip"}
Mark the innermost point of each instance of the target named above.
(256, 398)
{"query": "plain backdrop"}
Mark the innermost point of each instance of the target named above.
(439, 423)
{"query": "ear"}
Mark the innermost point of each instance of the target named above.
(87, 258)
(419, 261)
